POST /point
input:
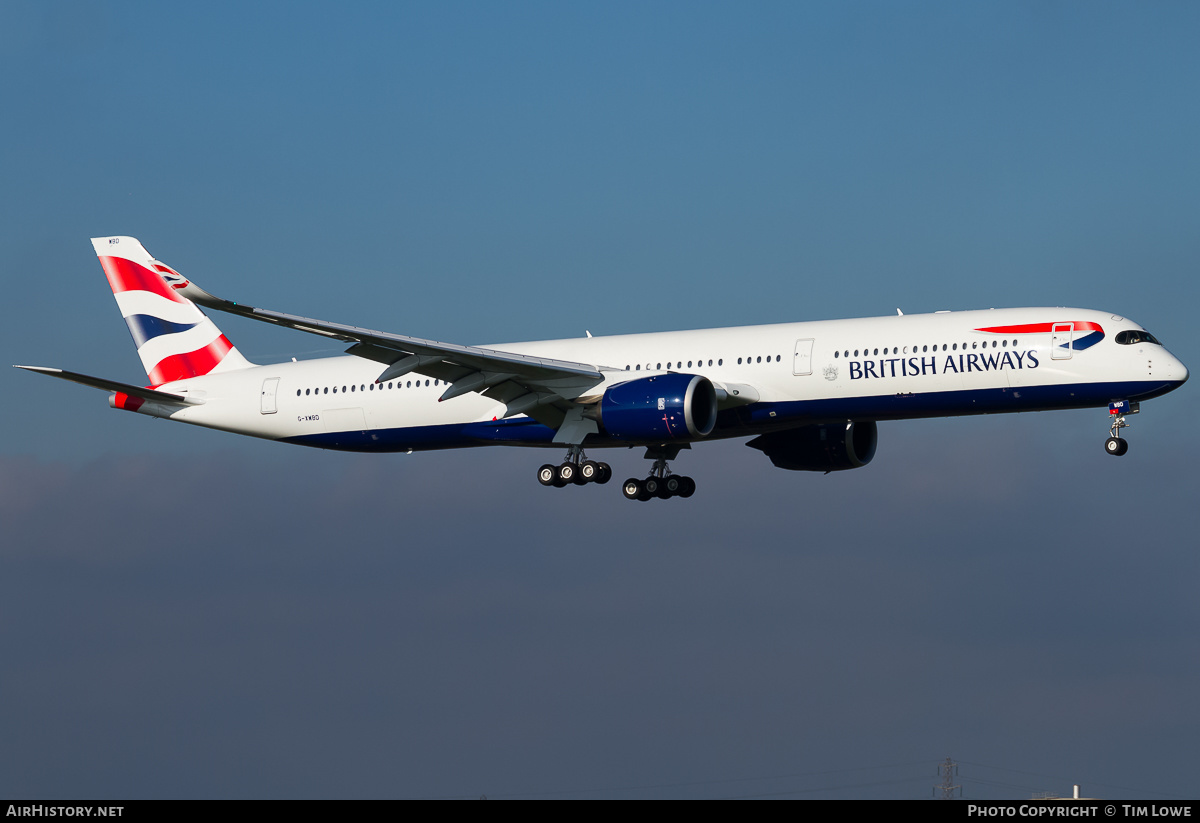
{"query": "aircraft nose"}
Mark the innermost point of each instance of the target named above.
(1178, 372)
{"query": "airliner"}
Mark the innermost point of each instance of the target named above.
(809, 394)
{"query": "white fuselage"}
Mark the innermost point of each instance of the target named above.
(909, 366)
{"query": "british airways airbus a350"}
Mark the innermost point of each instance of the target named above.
(808, 393)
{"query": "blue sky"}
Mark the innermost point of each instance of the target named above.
(183, 613)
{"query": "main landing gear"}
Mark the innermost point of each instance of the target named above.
(661, 483)
(576, 470)
(1116, 445)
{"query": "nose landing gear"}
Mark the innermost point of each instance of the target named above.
(575, 470)
(1116, 445)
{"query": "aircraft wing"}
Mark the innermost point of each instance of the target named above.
(543, 388)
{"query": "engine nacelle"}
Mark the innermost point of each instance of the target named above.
(821, 447)
(660, 408)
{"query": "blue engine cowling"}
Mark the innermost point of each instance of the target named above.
(821, 447)
(660, 408)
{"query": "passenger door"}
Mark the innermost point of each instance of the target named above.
(802, 362)
(269, 389)
(1060, 341)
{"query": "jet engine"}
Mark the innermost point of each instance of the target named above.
(661, 408)
(821, 447)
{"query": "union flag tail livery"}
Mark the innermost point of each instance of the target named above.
(173, 337)
(810, 394)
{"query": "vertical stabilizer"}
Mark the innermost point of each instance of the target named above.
(173, 337)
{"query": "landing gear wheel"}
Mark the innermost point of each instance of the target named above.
(689, 486)
(605, 473)
(566, 474)
(589, 470)
(1116, 446)
(547, 474)
(632, 488)
(1117, 410)
(672, 486)
(652, 486)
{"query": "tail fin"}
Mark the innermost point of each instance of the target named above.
(173, 337)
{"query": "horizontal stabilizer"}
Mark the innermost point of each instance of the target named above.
(113, 385)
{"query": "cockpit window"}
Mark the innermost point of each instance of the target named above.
(1128, 338)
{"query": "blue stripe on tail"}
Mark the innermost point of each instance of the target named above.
(145, 327)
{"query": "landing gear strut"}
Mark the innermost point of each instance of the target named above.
(575, 470)
(661, 483)
(1116, 445)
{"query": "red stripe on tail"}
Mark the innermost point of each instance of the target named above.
(125, 275)
(192, 364)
